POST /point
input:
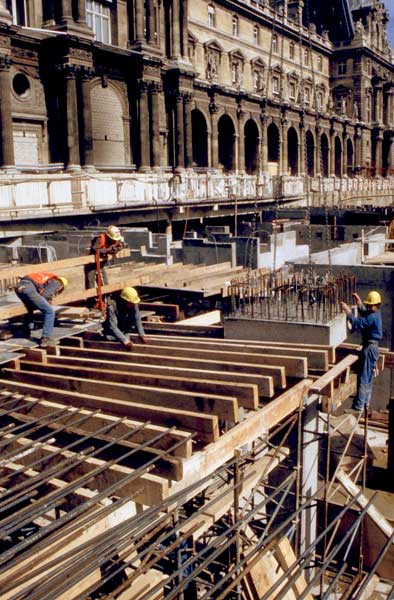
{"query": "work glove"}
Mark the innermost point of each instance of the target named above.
(143, 339)
(128, 345)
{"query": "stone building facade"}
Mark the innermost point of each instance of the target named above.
(155, 86)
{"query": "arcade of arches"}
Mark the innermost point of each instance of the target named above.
(240, 145)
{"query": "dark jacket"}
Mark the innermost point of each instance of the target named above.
(369, 323)
(122, 319)
(105, 246)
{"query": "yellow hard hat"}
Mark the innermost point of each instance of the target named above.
(64, 281)
(373, 298)
(113, 232)
(130, 295)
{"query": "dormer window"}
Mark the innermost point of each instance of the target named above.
(211, 15)
(235, 26)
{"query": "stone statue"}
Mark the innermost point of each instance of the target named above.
(356, 112)
(235, 72)
(359, 28)
(211, 66)
(343, 106)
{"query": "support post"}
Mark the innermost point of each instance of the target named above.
(139, 21)
(176, 30)
(6, 127)
(143, 123)
(87, 158)
(188, 130)
(179, 132)
(213, 109)
(73, 158)
(155, 91)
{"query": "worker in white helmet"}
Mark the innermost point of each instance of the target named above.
(105, 244)
(122, 317)
(369, 323)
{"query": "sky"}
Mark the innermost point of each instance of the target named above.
(390, 5)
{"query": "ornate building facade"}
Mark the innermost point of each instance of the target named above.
(247, 86)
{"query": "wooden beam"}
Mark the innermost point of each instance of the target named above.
(246, 394)
(295, 367)
(224, 406)
(138, 358)
(205, 426)
(320, 385)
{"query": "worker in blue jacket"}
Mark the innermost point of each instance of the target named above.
(369, 323)
(123, 316)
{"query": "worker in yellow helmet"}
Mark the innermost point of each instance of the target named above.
(369, 323)
(105, 244)
(36, 291)
(122, 317)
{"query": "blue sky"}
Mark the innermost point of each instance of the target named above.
(390, 5)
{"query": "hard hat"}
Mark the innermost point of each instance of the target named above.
(113, 232)
(64, 281)
(373, 298)
(130, 295)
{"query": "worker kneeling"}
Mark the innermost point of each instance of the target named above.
(123, 316)
(36, 292)
(369, 323)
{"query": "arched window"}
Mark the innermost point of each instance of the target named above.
(235, 26)
(211, 15)
(256, 35)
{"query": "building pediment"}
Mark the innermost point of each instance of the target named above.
(237, 55)
(213, 45)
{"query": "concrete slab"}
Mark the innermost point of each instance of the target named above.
(331, 334)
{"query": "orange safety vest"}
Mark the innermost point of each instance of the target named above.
(102, 242)
(41, 279)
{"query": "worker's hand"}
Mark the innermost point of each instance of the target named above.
(143, 339)
(128, 345)
(346, 308)
(357, 299)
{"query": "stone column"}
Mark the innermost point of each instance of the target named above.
(176, 30)
(139, 21)
(155, 91)
(302, 150)
(151, 22)
(87, 158)
(264, 146)
(379, 153)
(241, 140)
(185, 29)
(390, 106)
(358, 159)
(332, 154)
(66, 14)
(345, 165)
(284, 158)
(188, 130)
(213, 109)
(179, 132)
(318, 156)
(5, 15)
(378, 97)
(81, 12)
(6, 131)
(143, 124)
(73, 158)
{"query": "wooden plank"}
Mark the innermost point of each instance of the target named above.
(246, 394)
(295, 367)
(263, 383)
(285, 556)
(171, 311)
(118, 427)
(206, 427)
(212, 317)
(320, 385)
(136, 357)
(253, 426)
(225, 407)
(317, 359)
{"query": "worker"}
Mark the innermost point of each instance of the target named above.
(122, 317)
(369, 323)
(105, 245)
(36, 292)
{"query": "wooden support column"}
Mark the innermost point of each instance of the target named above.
(188, 130)
(143, 122)
(87, 158)
(176, 29)
(179, 132)
(139, 21)
(155, 90)
(6, 130)
(73, 158)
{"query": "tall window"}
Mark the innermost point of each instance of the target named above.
(256, 35)
(274, 43)
(98, 17)
(306, 57)
(342, 67)
(307, 95)
(235, 26)
(320, 100)
(18, 8)
(320, 64)
(292, 90)
(292, 50)
(275, 86)
(211, 15)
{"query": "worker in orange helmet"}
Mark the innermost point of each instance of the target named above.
(104, 244)
(36, 291)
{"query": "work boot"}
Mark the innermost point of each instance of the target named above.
(46, 342)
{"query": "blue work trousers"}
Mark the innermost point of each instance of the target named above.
(28, 294)
(367, 364)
